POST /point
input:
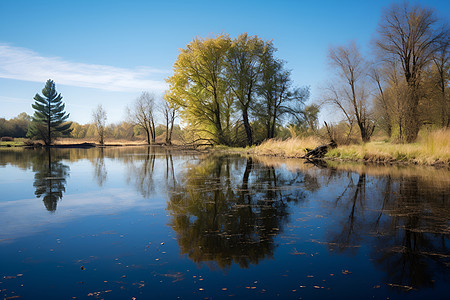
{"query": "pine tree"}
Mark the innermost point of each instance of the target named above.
(49, 119)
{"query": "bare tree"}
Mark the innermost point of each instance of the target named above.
(169, 112)
(441, 61)
(142, 114)
(381, 105)
(352, 97)
(409, 35)
(99, 116)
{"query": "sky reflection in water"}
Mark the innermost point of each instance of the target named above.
(143, 222)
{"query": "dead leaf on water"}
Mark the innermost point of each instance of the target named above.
(403, 287)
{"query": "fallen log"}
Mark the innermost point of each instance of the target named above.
(320, 151)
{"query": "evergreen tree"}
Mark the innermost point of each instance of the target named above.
(49, 119)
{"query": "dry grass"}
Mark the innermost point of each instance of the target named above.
(431, 148)
(293, 147)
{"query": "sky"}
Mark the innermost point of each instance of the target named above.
(109, 52)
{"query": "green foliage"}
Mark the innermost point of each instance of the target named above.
(198, 88)
(224, 89)
(49, 119)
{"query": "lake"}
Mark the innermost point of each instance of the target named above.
(153, 223)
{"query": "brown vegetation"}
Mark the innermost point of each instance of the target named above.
(432, 148)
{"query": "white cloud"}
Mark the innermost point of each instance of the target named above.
(24, 64)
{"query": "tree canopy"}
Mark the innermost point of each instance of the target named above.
(224, 87)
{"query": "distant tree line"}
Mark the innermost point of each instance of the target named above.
(15, 127)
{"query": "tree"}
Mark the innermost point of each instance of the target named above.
(49, 119)
(99, 116)
(277, 96)
(310, 121)
(381, 105)
(142, 114)
(243, 69)
(169, 112)
(351, 97)
(410, 36)
(225, 88)
(198, 88)
(441, 62)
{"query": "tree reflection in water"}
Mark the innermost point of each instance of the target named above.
(404, 219)
(100, 172)
(222, 218)
(50, 178)
(141, 169)
(413, 248)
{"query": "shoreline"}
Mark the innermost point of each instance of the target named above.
(379, 161)
(367, 158)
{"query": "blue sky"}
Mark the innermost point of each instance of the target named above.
(108, 52)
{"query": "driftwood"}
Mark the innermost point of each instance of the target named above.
(320, 151)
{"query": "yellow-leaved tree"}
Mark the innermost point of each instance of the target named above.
(197, 88)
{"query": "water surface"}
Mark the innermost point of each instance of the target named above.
(152, 223)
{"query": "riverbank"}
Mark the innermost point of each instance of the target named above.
(432, 149)
(71, 143)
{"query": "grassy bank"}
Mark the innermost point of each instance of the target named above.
(17, 142)
(430, 149)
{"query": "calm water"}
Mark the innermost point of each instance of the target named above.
(145, 223)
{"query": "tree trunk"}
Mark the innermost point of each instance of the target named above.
(172, 120)
(272, 127)
(248, 129)
(153, 131)
(49, 139)
(148, 136)
(365, 132)
(412, 123)
(167, 128)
